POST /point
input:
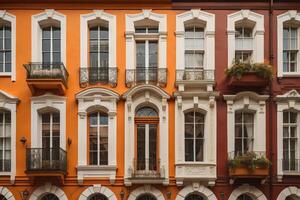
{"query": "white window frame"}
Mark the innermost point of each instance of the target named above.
(258, 34)
(85, 19)
(45, 103)
(281, 19)
(209, 37)
(36, 33)
(9, 102)
(247, 101)
(288, 101)
(94, 99)
(130, 37)
(6, 16)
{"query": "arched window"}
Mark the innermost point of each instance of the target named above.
(146, 197)
(146, 121)
(194, 136)
(2, 197)
(194, 197)
(244, 197)
(98, 196)
(244, 131)
(5, 47)
(5, 141)
(50, 197)
(98, 138)
(290, 140)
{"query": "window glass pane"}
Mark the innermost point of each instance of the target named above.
(140, 55)
(189, 117)
(189, 44)
(153, 30)
(199, 150)
(286, 33)
(56, 45)
(238, 130)
(56, 57)
(103, 119)
(293, 117)
(94, 59)
(189, 150)
(93, 158)
(56, 33)
(294, 43)
(152, 146)
(199, 130)
(140, 30)
(103, 158)
(293, 67)
(104, 45)
(198, 59)
(199, 117)
(103, 59)
(199, 32)
(189, 130)
(7, 43)
(94, 33)
(140, 147)
(238, 117)
(293, 33)
(238, 32)
(285, 131)
(153, 54)
(189, 32)
(286, 44)
(198, 44)
(248, 118)
(1, 44)
(93, 119)
(46, 57)
(94, 46)
(247, 32)
(1, 31)
(103, 33)
(46, 33)
(46, 45)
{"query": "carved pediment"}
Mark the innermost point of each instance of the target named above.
(290, 95)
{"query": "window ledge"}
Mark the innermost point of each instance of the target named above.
(91, 171)
(5, 173)
(5, 74)
(290, 74)
(196, 164)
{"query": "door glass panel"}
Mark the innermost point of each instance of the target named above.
(141, 147)
(152, 146)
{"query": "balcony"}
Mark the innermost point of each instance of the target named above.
(47, 162)
(154, 76)
(291, 166)
(5, 165)
(195, 77)
(146, 171)
(94, 75)
(46, 76)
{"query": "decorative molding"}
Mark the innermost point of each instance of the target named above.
(97, 189)
(249, 190)
(289, 191)
(196, 188)
(142, 88)
(6, 193)
(46, 189)
(6, 16)
(146, 189)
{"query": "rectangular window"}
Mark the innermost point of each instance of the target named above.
(51, 45)
(194, 47)
(5, 49)
(5, 141)
(243, 44)
(290, 49)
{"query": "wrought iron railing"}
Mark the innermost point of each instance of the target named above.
(146, 76)
(47, 71)
(291, 165)
(195, 74)
(93, 75)
(46, 159)
(146, 168)
(5, 165)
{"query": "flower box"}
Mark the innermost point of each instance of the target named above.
(249, 79)
(242, 171)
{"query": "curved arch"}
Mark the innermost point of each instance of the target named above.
(6, 193)
(97, 189)
(192, 109)
(203, 191)
(97, 91)
(246, 189)
(46, 189)
(146, 190)
(8, 97)
(143, 88)
(288, 192)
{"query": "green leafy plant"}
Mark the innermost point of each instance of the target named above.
(250, 160)
(238, 69)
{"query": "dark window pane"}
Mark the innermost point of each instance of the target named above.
(103, 158)
(199, 150)
(189, 130)
(94, 33)
(94, 59)
(199, 130)
(56, 33)
(46, 57)
(189, 150)
(8, 44)
(103, 59)
(153, 54)
(46, 33)
(140, 147)
(140, 55)
(8, 57)
(103, 119)
(189, 117)
(56, 45)
(104, 46)
(140, 30)
(46, 45)
(56, 57)
(103, 33)
(93, 158)
(94, 46)
(7, 67)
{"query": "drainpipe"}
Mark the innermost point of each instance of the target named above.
(271, 99)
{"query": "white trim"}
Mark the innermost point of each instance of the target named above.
(97, 189)
(258, 34)
(157, 98)
(9, 102)
(147, 189)
(252, 191)
(287, 16)
(104, 99)
(84, 21)
(130, 40)
(39, 192)
(4, 15)
(44, 102)
(288, 191)
(36, 33)
(289, 100)
(209, 37)
(248, 101)
(191, 171)
(6, 193)
(198, 189)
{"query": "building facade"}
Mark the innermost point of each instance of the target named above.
(149, 100)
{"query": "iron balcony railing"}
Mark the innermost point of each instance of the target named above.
(147, 168)
(5, 165)
(291, 165)
(93, 75)
(47, 71)
(152, 75)
(195, 75)
(46, 160)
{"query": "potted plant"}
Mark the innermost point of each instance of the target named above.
(248, 164)
(249, 74)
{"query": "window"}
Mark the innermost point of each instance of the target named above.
(98, 138)
(290, 49)
(51, 45)
(97, 197)
(49, 197)
(290, 138)
(243, 39)
(146, 197)
(194, 47)
(193, 197)
(244, 197)
(194, 136)
(244, 124)
(5, 49)
(2, 197)
(5, 141)
(99, 46)
(146, 130)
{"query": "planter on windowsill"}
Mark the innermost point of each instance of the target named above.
(242, 171)
(249, 79)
